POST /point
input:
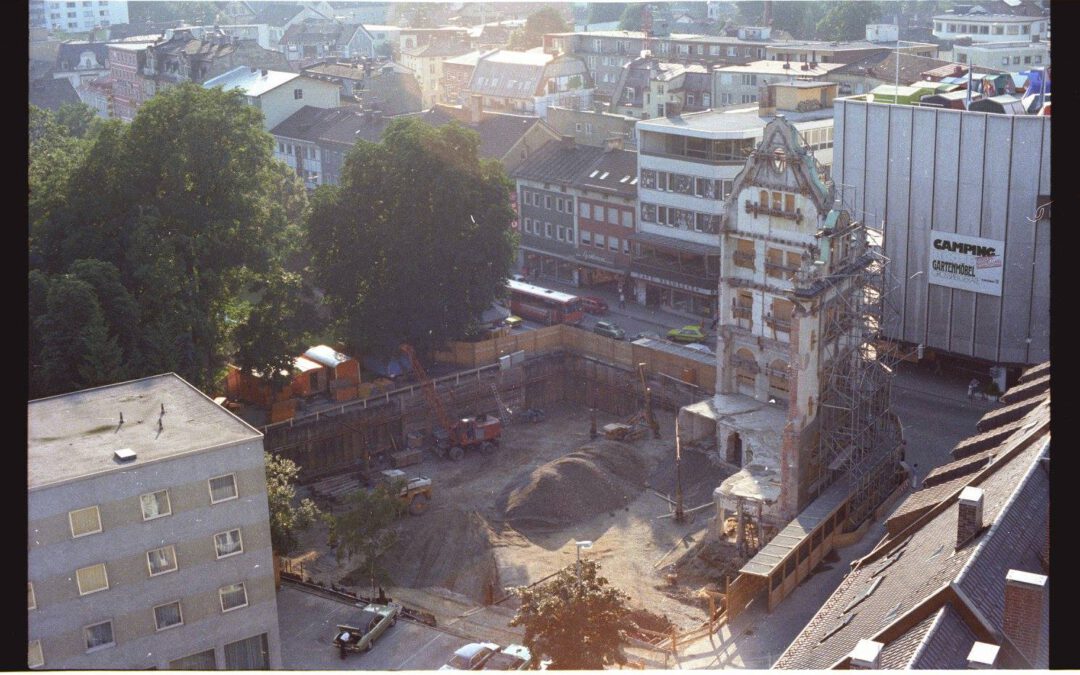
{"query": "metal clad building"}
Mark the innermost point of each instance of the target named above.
(926, 173)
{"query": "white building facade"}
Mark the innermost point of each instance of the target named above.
(1011, 56)
(990, 27)
(84, 15)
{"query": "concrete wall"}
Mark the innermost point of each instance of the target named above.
(977, 174)
(54, 556)
(278, 104)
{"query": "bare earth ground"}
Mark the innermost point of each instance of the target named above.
(512, 518)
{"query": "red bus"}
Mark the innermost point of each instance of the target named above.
(543, 304)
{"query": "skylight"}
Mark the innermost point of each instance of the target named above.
(593, 174)
(634, 182)
(624, 179)
(605, 175)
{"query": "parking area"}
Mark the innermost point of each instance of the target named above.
(307, 623)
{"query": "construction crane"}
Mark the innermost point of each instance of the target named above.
(453, 437)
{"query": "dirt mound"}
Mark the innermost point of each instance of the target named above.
(598, 477)
(658, 623)
(448, 549)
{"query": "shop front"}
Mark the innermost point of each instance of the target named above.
(548, 266)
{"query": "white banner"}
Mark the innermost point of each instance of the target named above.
(966, 263)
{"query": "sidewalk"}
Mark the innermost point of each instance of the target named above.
(656, 317)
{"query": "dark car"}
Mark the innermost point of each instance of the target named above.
(608, 329)
(593, 304)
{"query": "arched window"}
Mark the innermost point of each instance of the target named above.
(746, 369)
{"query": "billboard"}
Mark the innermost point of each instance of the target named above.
(966, 263)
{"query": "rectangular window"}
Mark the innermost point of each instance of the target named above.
(558, 204)
(155, 505)
(167, 616)
(583, 210)
(222, 488)
(1005, 60)
(233, 596)
(626, 246)
(628, 219)
(1038, 59)
(613, 243)
(1012, 30)
(547, 230)
(1016, 60)
(34, 658)
(586, 237)
(1027, 59)
(250, 654)
(613, 216)
(298, 94)
(201, 661)
(161, 560)
(85, 521)
(92, 579)
(600, 241)
(99, 635)
(31, 600)
(648, 213)
(547, 201)
(789, 203)
(281, 147)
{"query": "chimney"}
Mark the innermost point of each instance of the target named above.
(1024, 596)
(265, 72)
(969, 515)
(982, 656)
(866, 655)
(476, 108)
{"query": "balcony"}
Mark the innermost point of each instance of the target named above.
(759, 209)
(744, 259)
(777, 324)
(746, 313)
(690, 275)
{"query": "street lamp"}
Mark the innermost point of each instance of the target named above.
(586, 544)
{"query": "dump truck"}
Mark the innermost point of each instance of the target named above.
(415, 492)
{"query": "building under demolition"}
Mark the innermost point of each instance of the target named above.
(802, 399)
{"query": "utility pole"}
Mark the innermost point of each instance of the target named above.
(679, 516)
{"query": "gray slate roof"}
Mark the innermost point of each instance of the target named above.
(922, 571)
(50, 94)
(68, 54)
(558, 163)
(498, 131)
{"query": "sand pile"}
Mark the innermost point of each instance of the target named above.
(596, 478)
(445, 548)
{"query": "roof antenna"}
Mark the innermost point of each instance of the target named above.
(121, 417)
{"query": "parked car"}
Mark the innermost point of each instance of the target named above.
(512, 657)
(698, 347)
(593, 304)
(686, 334)
(608, 329)
(646, 335)
(518, 277)
(471, 657)
(513, 321)
(360, 630)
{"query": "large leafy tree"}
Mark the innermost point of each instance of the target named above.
(578, 621)
(631, 17)
(542, 21)
(601, 12)
(416, 242)
(287, 516)
(364, 532)
(847, 20)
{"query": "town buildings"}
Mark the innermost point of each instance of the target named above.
(739, 84)
(1011, 56)
(312, 39)
(982, 27)
(589, 127)
(650, 88)
(277, 94)
(963, 199)
(148, 532)
(961, 580)
(529, 82)
(77, 17)
(426, 63)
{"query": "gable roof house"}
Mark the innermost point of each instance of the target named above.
(276, 93)
(506, 137)
(426, 63)
(961, 579)
(528, 82)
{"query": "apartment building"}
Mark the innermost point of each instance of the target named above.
(277, 94)
(1011, 56)
(148, 537)
(990, 27)
(739, 84)
(79, 17)
(686, 167)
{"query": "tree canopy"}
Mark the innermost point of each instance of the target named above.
(847, 20)
(580, 624)
(601, 12)
(365, 531)
(415, 243)
(167, 222)
(287, 517)
(537, 24)
(631, 18)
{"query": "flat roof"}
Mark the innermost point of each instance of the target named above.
(539, 291)
(707, 124)
(75, 435)
(251, 80)
(988, 17)
(794, 68)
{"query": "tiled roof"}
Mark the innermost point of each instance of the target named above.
(612, 172)
(312, 30)
(498, 132)
(897, 654)
(947, 644)
(276, 13)
(921, 570)
(437, 49)
(1027, 389)
(50, 94)
(986, 440)
(498, 78)
(957, 468)
(882, 66)
(69, 53)
(921, 501)
(1035, 371)
(558, 163)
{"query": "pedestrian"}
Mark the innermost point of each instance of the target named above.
(622, 299)
(972, 386)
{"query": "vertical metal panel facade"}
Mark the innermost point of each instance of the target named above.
(912, 169)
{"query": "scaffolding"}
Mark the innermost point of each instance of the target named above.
(860, 437)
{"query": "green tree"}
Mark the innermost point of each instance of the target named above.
(847, 20)
(631, 17)
(365, 531)
(275, 329)
(602, 12)
(78, 118)
(72, 312)
(118, 307)
(416, 242)
(539, 23)
(580, 623)
(287, 517)
(103, 360)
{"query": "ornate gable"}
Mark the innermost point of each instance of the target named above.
(782, 162)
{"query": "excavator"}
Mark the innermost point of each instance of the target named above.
(452, 438)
